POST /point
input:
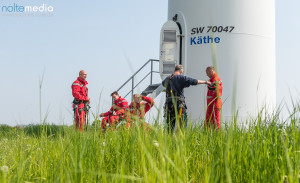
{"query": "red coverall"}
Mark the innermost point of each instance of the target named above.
(139, 109)
(80, 93)
(113, 115)
(214, 102)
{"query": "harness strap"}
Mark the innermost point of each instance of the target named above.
(169, 86)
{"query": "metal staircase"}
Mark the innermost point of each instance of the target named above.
(153, 90)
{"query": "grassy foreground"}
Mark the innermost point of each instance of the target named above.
(261, 152)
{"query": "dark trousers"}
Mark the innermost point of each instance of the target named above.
(170, 115)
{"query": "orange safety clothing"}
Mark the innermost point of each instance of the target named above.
(80, 94)
(138, 109)
(116, 112)
(214, 102)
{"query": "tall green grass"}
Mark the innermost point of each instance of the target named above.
(261, 151)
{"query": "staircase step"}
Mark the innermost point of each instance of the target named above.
(146, 92)
(154, 86)
(153, 90)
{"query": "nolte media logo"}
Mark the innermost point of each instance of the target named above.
(16, 9)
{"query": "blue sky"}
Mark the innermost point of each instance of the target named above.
(110, 40)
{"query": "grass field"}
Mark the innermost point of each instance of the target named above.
(263, 151)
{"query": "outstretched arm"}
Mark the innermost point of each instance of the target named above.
(203, 82)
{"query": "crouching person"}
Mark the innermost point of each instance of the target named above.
(139, 106)
(116, 112)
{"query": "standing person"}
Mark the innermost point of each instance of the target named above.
(137, 109)
(116, 112)
(214, 102)
(175, 100)
(81, 100)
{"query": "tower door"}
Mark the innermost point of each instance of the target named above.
(169, 48)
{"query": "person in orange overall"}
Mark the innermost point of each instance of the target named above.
(116, 112)
(137, 109)
(81, 99)
(214, 102)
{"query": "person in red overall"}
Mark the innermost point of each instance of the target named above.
(80, 94)
(214, 102)
(116, 112)
(138, 109)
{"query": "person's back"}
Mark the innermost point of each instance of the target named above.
(176, 83)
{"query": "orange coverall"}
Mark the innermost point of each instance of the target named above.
(139, 109)
(115, 113)
(80, 94)
(214, 102)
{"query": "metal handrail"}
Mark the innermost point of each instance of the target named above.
(132, 77)
(137, 84)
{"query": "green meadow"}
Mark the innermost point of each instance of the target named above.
(264, 149)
